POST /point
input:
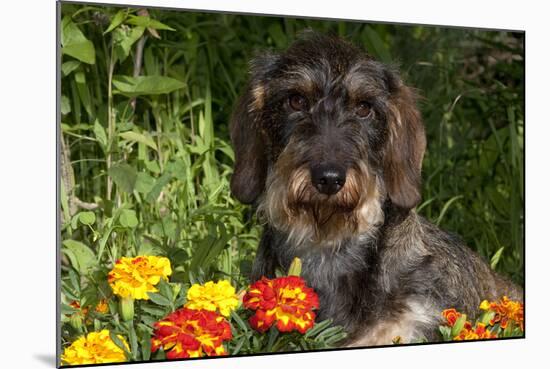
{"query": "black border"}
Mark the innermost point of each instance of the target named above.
(58, 5)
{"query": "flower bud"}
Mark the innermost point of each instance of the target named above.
(295, 267)
(76, 320)
(176, 288)
(486, 317)
(127, 308)
(457, 327)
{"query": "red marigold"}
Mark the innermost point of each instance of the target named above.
(286, 301)
(191, 333)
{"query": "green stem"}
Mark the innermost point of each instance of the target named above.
(110, 120)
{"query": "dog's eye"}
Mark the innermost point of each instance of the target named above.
(297, 102)
(363, 109)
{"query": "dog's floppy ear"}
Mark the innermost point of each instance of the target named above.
(250, 170)
(405, 146)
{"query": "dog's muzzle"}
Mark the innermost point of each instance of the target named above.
(328, 178)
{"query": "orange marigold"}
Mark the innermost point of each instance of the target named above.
(75, 304)
(451, 316)
(285, 301)
(102, 307)
(189, 333)
(504, 310)
(480, 332)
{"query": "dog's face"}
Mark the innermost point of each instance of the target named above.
(322, 136)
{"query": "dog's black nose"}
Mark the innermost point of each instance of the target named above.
(328, 178)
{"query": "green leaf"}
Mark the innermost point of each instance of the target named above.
(124, 39)
(242, 325)
(103, 241)
(328, 333)
(124, 176)
(163, 180)
(128, 218)
(144, 183)
(335, 338)
(74, 43)
(144, 138)
(67, 309)
(100, 134)
(117, 341)
(153, 310)
(276, 32)
(75, 280)
(318, 327)
(147, 22)
(68, 67)
(496, 258)
(133, 341)
(117, 20)
(376, 46)
(145, 85)
(86, 217)
(165, 290)
(238, 346)
(446, 207)
(145, 339)
(84, 256)
(273, 334)
(65, 105)
(83, 92)
(158, 299)
(445, 332)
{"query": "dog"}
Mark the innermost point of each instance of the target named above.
(328, 148)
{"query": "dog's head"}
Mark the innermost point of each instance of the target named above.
(323, 135)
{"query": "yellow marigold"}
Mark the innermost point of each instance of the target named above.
(212, 296)
(95, 348)
(134, 277)
(485, 305)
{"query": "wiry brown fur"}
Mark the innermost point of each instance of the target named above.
(380, 269)
(293, 205)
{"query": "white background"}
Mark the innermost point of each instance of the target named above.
(28, 206)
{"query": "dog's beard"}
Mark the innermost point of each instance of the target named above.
(292, 205)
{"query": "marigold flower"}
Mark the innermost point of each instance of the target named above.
(94, 348)
(134, 277)
(213, 296)
(102, 307)
(189, 333)
(505, 310)
(451, 316)
(485, 305)
(480, 332)
(75, 304)
(286, 301)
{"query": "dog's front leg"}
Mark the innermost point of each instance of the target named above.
(266, 260)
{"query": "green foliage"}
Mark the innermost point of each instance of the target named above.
(151, 159)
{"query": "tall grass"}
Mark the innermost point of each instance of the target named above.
(146, 161)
